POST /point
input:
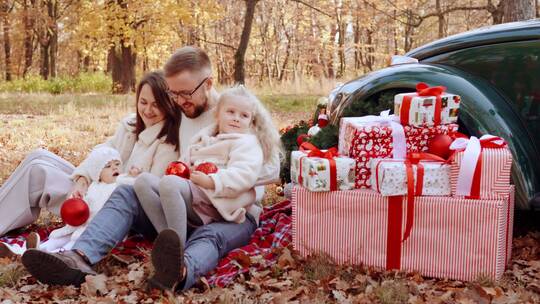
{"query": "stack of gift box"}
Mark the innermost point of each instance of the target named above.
(380, 200)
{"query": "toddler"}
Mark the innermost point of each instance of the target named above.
(103, 165)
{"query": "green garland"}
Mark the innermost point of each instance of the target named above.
(288, 138)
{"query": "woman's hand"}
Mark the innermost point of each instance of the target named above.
(202, 180)
(134, 171)
(80, 188)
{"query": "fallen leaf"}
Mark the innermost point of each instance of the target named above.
(535, 264)
(123, 258)
(534, 286)
(494, 292)
(287, 296)
(341, 284)
(242, 259)
(95, 284)
(340, 297)
(278, 285)
(132, 298)
(136, 276)
(286, 259)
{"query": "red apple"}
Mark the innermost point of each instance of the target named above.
(207, 168)
(178, 168)
(74, 212)
(440, 145)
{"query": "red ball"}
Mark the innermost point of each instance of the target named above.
(207, 168)
(74, 212)
(178, 168)
(301, 138)
(440, 145)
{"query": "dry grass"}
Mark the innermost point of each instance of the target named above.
(70, 125)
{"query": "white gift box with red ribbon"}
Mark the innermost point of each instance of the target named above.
(428, 106)
(444, 237)
(322, 170)
(481, 167)
(393, 176)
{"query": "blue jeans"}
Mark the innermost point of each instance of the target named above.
(122, 212)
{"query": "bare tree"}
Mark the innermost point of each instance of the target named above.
(239, 56)
(28, 23)
(5, 9)
(517, 10)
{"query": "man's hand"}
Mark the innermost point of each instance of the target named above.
(202, 180)
(79, 188)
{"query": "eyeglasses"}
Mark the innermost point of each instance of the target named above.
(185, 95)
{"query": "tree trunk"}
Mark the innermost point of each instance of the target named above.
(44, 69)
(496, 11)
(440, 16)
(409, 31)
(28, 23)
(356, 30)
(239, 56)
(123, 68)
(7, 43)
(517, 10)
(341, 49)
(330, 63)
(52, 7)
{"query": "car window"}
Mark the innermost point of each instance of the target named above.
(512, 68)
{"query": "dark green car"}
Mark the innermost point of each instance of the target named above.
(496, 70)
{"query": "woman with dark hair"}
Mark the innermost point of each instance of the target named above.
(147, 142)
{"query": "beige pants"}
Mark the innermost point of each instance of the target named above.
(42, 180)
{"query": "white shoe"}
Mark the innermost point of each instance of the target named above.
(9, 251)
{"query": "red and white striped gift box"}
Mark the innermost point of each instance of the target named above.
(495, 177)
(450, 237)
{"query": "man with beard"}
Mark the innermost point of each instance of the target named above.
(188, 76)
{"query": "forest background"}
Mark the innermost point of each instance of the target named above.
(68, 69)
(106, 45)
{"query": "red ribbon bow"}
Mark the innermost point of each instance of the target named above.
(489, 143)
(423, 89)
(313, 151)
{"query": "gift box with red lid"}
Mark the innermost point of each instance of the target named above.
(428, 106)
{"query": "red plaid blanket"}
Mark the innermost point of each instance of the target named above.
(274, 232)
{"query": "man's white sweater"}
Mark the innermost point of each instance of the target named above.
(191, 126)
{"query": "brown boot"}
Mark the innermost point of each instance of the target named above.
(168, 261)
(63, 268)
(32, 240)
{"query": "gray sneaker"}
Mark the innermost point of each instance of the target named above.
(168, 261)
(63, 268)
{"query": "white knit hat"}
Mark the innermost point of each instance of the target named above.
(98, 159)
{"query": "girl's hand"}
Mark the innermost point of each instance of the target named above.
(202, 180)
(79, 188)
(134, 171)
